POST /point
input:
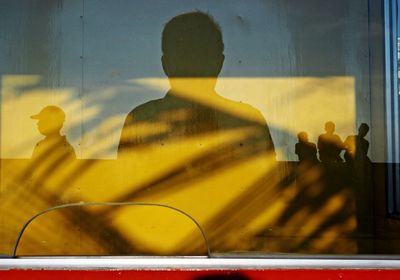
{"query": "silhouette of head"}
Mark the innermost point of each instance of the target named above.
(50, 120)
(302, 136)
(329, 127)
(192, 46)
(363, 129)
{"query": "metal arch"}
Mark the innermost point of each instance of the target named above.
(70, 205)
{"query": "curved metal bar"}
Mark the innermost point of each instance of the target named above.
(70, 205)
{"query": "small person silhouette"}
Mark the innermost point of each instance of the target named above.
(360, 172)
(305, 150)
(357, 146)
(330, 145)
(50, 121)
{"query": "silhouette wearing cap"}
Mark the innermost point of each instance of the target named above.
(54, 145)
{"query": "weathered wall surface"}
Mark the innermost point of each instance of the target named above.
(300, 63)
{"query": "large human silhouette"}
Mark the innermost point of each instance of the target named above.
(330, 145)
(193, 139)
(192, 58)
(54, 145)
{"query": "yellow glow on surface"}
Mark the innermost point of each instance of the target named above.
(23, 97)
(225, 178)
(291, 104)
(288, 104)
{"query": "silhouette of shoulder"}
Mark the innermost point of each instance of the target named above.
(185, 117)
(241, 111)
(57, 145)
(145, 111)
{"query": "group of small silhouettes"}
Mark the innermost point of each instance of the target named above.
(330, 146)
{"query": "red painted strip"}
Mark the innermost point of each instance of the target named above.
(272, 274)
